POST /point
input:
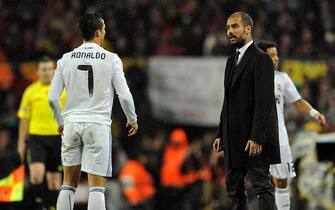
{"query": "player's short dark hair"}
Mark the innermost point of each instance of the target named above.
(246, 18)
(45, 58)
(89, 23)
(266, 44)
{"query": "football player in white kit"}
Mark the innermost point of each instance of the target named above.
(89, 74)
(285, 92)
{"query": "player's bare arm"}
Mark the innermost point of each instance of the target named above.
(23, 131)
(306, 108)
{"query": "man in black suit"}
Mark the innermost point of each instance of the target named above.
(248, 130)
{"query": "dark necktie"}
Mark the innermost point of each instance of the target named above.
(236, 57)
(232, 70)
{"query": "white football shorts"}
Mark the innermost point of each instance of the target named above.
(88, 144)
(285, 169)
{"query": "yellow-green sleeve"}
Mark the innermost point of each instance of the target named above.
(25, 106)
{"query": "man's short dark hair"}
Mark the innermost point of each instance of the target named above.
(266, 44)
(89, 23)
(246, 19)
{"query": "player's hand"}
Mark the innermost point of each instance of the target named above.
(60, 129)
(218, 145)
(21, 149)
(133, 128)
(254, 148)
(321, 118)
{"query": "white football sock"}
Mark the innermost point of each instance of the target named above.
(96, 198)
(282, 197)
(66, 198)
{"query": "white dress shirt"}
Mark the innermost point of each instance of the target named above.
(242, 51)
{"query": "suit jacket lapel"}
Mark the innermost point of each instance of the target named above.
(243, 63)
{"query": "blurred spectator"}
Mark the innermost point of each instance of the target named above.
(115, 199)
(285, 46)
(173, 180)
(197, 171)
(306, 46)
(325, 87)
(138, 185)
(216, 43)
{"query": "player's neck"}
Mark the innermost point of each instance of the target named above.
(92, 41)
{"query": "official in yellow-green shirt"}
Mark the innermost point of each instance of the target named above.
(35, 108)
(38, 130)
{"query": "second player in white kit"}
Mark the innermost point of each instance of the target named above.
(286, 93)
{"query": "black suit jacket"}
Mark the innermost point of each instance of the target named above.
(249, 110)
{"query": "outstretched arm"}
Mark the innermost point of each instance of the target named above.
(304, 107)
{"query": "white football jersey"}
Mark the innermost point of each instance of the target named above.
(285, 92)
(90, 74)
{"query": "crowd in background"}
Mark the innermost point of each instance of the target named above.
(164, 27)
(143, 28)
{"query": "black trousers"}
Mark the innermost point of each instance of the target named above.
(261, 181)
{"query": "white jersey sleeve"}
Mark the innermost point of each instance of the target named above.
(57, 86)
(120, 84)
(291, 93)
